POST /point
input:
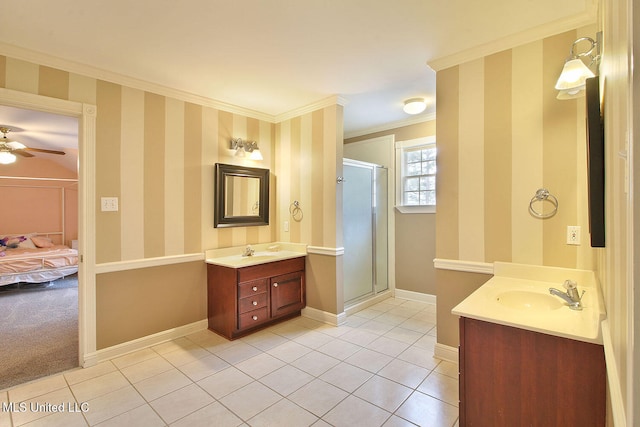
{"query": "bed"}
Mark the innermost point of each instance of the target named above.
(35, 258)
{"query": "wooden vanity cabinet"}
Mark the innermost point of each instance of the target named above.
(514, 377)
(243, 300)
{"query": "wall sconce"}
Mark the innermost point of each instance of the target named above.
(414, 105)
(243, 147)
(571, 82)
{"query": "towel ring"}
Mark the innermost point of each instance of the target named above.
(543, 195)
(296, 211)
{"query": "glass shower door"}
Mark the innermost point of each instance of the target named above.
(358, 231)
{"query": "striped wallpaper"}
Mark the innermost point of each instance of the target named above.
(157, 155)
(501, 135)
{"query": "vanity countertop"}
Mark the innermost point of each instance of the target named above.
(518, 295)
(263, 253)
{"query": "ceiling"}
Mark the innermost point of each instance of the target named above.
(276, 56)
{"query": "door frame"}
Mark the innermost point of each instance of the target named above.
(86, 115)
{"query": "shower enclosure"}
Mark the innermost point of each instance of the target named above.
(364, 222)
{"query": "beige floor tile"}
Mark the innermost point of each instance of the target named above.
(404, 373)
(395, 421)
(315, 363)
(427, 342)
(113, 404)
(260, 365)
(289, 330)
(289, 351)
(213, 414)
(318, 397)
(182, 343)
(225, 382)
(202, 368)
(345, 376)
(283, 414)
(404, 335)
(250, 400)
(387, 346)
(38, 407)
(417, 325)
(369, 360)
(441, 387)
(161, 384)
(140, 416)
(237, 353)
(82, 374)
(376, 327)
(183, 356)
(384, 393)
(353, 411)
(134, 358)
(95, 387)
(368, 313)
(447, 368)
(313, 339)
(391, 318)
(36, 388)
(60, 419)
(264, 340)
(286, 380)
(180, 403)
(419, 356)
(421, 409)
(339, 349)
(146, 369)
(358, 337)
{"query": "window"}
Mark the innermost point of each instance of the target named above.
(416, 175)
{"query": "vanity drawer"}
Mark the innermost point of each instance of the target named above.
(251, 318)
(252, 302)
(255, 287)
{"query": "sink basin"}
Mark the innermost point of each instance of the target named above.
(530, 301)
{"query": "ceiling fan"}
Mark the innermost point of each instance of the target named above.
(9, 148)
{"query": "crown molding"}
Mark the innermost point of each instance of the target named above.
(587, 17)
(392, 125)
(323, 103)
(40, 58)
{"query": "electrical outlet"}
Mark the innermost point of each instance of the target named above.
(573, 235)
(109, 204)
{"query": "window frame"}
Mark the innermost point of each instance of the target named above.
(401, 147)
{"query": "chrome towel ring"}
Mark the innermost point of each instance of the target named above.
(543, 195)
(296, 211)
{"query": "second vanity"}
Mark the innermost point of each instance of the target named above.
(249, 288)
(526, 357)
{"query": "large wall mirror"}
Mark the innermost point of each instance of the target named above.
(241, 196)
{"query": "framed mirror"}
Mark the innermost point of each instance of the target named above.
(241, 196)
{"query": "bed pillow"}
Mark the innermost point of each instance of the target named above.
(17, 241)
(42, 242)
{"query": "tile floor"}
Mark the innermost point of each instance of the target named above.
(376, 370)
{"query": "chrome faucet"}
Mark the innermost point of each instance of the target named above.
(248, 251)
(572, 297)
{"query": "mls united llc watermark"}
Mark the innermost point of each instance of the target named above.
(45, 407)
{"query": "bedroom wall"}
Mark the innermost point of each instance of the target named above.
(157, 154)
(49, 205)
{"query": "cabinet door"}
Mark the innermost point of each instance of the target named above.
(287, 293)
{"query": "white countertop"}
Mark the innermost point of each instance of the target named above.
(264, 253)
(518, 295)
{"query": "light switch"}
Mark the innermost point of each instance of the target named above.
(109, 204)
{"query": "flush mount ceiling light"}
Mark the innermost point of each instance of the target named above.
(243, 147)
(414, 105)
(571, 82)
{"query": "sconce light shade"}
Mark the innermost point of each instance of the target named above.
(573, 75)
(7, 157)
(256, 154)
(414, 105)
(242, 147)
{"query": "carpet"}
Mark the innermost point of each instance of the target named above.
(38, 330)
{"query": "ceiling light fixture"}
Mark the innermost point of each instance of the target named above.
(6, 157)
(571, 83)
(414, 105)
(243, 147)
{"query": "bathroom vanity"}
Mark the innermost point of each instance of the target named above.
(248, 293)
(525, 357)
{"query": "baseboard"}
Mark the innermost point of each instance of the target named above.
(415, 296)
(446, 352)
(325, 317)
(118, 350)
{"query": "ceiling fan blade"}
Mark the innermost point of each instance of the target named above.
(42, 150)
(22, 153)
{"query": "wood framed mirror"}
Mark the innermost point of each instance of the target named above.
(241, 196)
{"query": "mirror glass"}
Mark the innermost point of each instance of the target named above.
(241, 196)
